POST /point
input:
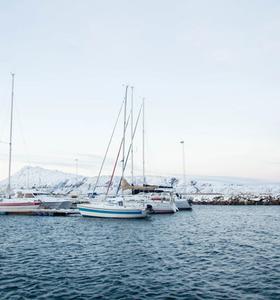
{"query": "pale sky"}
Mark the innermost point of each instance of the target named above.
(210, 72)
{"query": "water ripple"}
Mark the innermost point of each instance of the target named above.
(210, 253)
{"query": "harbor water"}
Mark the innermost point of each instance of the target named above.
(212, 252)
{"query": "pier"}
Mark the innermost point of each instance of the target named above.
(47, 212)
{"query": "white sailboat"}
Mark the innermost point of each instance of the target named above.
(115, 207)
(161, 201)
(10, 204)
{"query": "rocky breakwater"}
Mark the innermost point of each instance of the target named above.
(237, 200)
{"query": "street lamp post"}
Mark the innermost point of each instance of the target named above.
(184, 165)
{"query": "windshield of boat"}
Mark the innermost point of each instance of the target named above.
(28, 195)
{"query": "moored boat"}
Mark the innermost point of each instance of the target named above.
(161, 200)
(163, 203)
(183, 202)
(117, 207)
(10, 204)
(112, 210)
(49, 201)
(18, 205)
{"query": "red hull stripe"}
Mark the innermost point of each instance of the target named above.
(19, 204)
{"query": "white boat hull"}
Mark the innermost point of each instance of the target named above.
(55, 204)
(18, 207)
(183, 204)
(162, 207)
(158, 206)
(112, 212)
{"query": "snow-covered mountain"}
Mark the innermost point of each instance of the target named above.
(40, 177)
(60, 182)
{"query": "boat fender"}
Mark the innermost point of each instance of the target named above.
(149, 208)
(156, 198)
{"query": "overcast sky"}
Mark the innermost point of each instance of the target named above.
(210, 72)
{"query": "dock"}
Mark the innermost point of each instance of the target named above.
(47, 212)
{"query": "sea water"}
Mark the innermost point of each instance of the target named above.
(212, 252)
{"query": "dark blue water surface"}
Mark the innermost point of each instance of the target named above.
(213, 252)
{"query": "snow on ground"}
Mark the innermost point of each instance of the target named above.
(60, 182)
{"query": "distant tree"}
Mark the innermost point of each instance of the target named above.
(173, 181)
(194, 185)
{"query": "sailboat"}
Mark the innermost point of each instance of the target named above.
(10, 204)
(115, 207)
(161, 200)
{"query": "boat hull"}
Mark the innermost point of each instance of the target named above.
(18, 207)
(160, 207)
(59, 204)
(111, 213)
(183, 204)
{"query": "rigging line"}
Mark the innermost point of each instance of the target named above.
(129, 150)
(21, 129)
(108, 147)
(131, 129)
(115, 165)
(4, 119)
(143, 142)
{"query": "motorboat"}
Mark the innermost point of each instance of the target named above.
(183, 202)
(162, 201)
(25, 203)
(52, 202)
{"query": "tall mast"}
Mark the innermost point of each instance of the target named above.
(143, 139)
(11, 136)
(132, 129)
(124, 129)
(184, 165)
(129, 149)
(107, 150)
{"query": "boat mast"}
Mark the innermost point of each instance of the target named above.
(129, 149)
(11, 136)
(107, 150)
(124, 129)
(143, 140)
(132, 129)
(117, 159)
(184, 165)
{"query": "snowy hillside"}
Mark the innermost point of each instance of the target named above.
(60, 182)
(29, 177)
